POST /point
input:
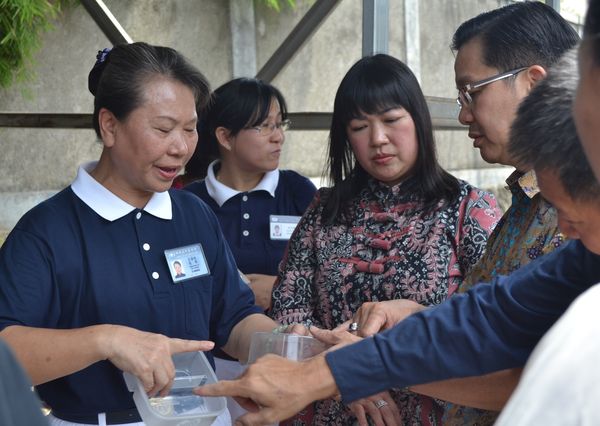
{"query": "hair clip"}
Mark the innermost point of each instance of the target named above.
(102, 54)
(97, 69)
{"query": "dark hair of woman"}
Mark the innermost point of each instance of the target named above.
(118, 77)
(236, 105)
(373, 85)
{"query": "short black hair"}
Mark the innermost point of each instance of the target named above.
(118, 77)
(518, 35)
(543, 134)
(373, 85)
(236, 105)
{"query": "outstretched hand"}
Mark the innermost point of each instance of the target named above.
(336, 338)
(148, 355)
(373, 317)
(274, 388)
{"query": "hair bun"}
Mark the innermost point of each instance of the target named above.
(96, 72)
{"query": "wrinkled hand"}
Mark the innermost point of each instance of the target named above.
(274, 388)
(373, 317)
(386, 415)
(262, 287)
(148, 355)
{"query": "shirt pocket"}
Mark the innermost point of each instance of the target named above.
(198, 306)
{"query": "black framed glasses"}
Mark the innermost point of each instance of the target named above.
(464, 92)
(267, 129)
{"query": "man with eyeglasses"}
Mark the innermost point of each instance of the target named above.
(500, 56)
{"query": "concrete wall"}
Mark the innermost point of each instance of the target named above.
(38, 162)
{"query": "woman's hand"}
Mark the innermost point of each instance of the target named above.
(148, 355)
(380, 407)
(262, 287)
(373, 317)
(337, 338)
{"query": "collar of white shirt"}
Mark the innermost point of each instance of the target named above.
(221, 193)
(107, 204)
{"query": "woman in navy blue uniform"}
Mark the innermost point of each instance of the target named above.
(87, 283)
(257, 205)
(238, 157)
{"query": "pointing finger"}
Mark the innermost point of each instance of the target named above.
(182, 345)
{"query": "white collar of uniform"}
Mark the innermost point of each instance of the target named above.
(107, 204)
(221, 193)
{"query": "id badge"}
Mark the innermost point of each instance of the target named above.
(186, 262)
(281, 227)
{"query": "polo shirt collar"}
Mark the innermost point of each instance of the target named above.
(108, 205)
(221, 193)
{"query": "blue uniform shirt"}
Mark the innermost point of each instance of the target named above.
(491, 327)
(244, 216)
(86, 257)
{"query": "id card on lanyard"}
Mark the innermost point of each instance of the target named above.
(186, 262)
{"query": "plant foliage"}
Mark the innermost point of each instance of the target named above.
(276, 4)
(22, 23)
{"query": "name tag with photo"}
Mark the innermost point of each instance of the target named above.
(186, 262)
(281, 227)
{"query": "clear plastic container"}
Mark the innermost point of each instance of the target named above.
(291, 346)
(181, 406)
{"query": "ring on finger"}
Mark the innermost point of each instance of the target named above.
(353, 327)
(380, 403)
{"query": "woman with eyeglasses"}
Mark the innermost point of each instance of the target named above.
(394, 225)
(237, 160)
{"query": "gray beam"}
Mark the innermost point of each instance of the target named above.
(45, 120)
(412, 37)
(444, 114)
(297, 37)
(555, 4)
(106, 21)
(375, 26)
(243, 37)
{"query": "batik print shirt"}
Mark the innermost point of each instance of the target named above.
(528, 230)
(393, 248)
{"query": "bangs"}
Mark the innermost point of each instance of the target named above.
(261, 108)
(263, 96)
(374, 94)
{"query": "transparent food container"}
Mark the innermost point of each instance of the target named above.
(291, 346)
(181, 406)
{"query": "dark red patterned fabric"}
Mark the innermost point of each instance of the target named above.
(393, 249)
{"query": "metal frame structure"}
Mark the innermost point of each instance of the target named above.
(375, 27)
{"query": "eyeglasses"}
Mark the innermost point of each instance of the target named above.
(464, 93)
(267, 129)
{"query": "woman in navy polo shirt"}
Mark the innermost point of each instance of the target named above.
(87, 282)
(257, 205)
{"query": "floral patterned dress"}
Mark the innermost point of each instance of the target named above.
(393, 248)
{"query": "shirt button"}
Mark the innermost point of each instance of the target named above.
(138, 215)
(245, 198)
(245, 233)
(155, 275)
(246, 216)
(146, 246)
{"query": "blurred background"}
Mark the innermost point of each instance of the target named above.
(304, 47)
